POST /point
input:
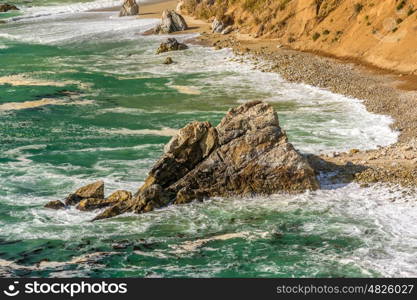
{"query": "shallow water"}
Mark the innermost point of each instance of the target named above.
(110, 107)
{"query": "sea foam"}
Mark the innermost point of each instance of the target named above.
(67, 27)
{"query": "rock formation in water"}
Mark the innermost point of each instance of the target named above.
(246, 154)
(91, 197)
(6, 7)
(56, 204)
(171, 44)
(129, 8)
(171, 22)
(95, 203)
(92, 191)
(168, 61)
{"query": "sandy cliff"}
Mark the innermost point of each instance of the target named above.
(380, 32)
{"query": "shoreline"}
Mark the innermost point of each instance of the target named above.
(378, 91)
(381, 91)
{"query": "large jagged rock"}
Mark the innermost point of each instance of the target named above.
(129, 8)
(246, 154)
(171, 22)
(171, 44)
(6, 7)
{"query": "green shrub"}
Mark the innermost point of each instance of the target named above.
(401, 5)
(358, 7)
(316, 36)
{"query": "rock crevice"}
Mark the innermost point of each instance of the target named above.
(171, 22)
(129, 8)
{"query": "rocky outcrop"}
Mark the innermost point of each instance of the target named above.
(89, 192)
(246, 154)
(227, 30)
(129, 8)
(55, 205)
(6, 7)
(94, 190)
(168, 61)
(171, 44)
(217, 26)
(171, 22)
(223, 26)
(91, 197)
(95, 203)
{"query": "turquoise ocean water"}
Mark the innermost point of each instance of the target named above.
(84, 97)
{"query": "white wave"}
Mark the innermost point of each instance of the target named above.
(25, 79)
(105, 149)
(90, 258)
(317, 120)
(122, 110)
(190, 246)
(57, 8)
(27, 104)
(160, 132)
(382, 220)
(69, 27)
(188, 90)
(43, 11)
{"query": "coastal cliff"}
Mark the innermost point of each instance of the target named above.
(381, 33)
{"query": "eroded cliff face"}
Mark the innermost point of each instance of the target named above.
(380, 32)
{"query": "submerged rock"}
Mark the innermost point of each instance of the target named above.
(94, 190)
(171, 44)
(6, 7)
(55, 205)
(168, 61)
(245, 155)
(171, 22)
(129, 8)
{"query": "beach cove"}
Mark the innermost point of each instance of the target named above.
(111, 107)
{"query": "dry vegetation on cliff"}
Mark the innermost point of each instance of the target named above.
(383, 33)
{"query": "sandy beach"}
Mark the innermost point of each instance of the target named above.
(154, 11)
